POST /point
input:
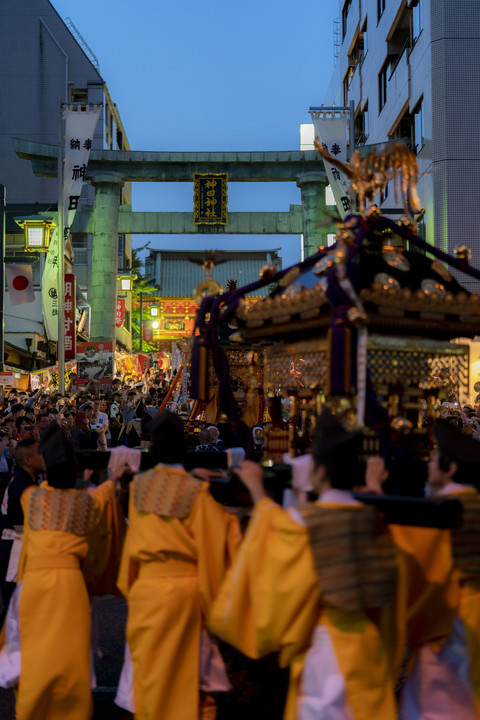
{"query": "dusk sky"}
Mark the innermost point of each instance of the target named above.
(212, 76)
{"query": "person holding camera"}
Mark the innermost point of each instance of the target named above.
(317, 583)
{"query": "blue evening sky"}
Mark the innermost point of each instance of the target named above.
(216, 75)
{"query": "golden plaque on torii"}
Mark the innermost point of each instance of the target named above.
(210, 199)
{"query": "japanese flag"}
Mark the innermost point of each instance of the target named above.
(20, 284)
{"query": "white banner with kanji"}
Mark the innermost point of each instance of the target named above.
(331, 132)
(80, 124)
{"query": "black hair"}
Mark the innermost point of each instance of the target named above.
(169, 444)
(63, 475)
(16, 408)
(466, 472)
(22, 447)
(19, 420)
(340, 460)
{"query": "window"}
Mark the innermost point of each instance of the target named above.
(80, 250)
(126, 320)
(421, 231)
(346, 83)
(410, 128)
(404, 130)
(329, 198)
(362, 126)
(79, 95)
(417, 139)
(380, 8)
(345, 9)
(356, 55)
(384, 194)
(331, 239)
(382, 85)
(121, 251)
(416, 21)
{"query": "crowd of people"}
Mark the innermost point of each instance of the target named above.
(373, 620)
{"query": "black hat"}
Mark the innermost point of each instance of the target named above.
(59, 456)
(454, 444)
(168, 439)
(332, 438)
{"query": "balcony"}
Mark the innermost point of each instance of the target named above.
(397, 88)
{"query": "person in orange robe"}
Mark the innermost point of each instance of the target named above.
(316, 583)
(178, 546)
(442, 588)
(54, 606)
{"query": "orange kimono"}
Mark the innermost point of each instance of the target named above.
(178, 546)
(54, 608)
(441, 596)
(272, 600)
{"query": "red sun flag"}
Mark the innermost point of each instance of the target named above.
(20, 284)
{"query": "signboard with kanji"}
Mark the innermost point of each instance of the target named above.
(69, 319)
(120, 312)
(210, 199)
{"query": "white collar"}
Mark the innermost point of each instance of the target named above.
(453, 488)
(339, 497)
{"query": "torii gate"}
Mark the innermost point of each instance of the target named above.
(108, 169)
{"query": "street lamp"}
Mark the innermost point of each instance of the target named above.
(153, 313)
(37, 231)
(126, 282)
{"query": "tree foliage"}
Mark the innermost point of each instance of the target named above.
(140, 288)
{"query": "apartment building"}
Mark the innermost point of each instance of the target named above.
(411, 68)
(45, 61)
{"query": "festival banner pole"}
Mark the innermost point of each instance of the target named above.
(61, 255)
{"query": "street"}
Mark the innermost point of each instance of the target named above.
(112, 614)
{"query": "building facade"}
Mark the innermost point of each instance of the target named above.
(179, 276)
(45, 62)
(411, 68)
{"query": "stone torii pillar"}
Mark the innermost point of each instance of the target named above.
(103, 297)
(312, 187)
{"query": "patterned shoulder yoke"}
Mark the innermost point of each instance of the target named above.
(354, 556)
(71, 511)
(165, 492)
(466, 539)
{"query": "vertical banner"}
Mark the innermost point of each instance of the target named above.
(69, 317)
(120, 312)
(331, 131)
(80, 124)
